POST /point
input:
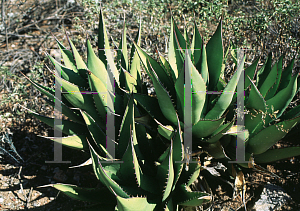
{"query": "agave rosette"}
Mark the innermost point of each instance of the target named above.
(145, 171)
(210, 95)
(265, 100)
(266, 119)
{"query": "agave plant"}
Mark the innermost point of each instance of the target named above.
(266, 118)
(145, 171)
(265, 100)
(211, 124)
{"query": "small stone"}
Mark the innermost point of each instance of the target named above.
(76, 178)
(60, 176)
(36, 204)
(44, 168)
(271, 197)
(55, 170)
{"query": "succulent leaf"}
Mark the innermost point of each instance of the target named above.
(80, 64)
(99, 195)
(51, 94)
(68, 74)
(178, 155)
(104, 177)
(188, 198)
(100, 93)
(130, 169)
(202, 65)
(174, 54)
(166, 131)
(96, 133)
(150, 104)
(122, 52)
(104, 51)
(167, 67)
(220, 132)
(67, 57)
(164, 99)
(130, 82)
(270, 81)
(75, 96)
(196, 45)
(179, 87)
(182, 44)
(294, 112)
(286, 76)
(135, 64)
(277, 154)
(255, 121)
(214, 51)
(67, 127)
(256, 100)
(249, 72)
(283, 98)
(165, 173)
(198, 91)
(206, 127)
(156, 72)
(271, 92)
(225, 99)
(264, 71)
(73, 141)
(270, 136)
(95, 65)
(126, 127)
(134, 204)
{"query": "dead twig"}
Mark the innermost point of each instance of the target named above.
(29, 196)
(22, 35)
(36, 22)
(21, 186)
(4, 23)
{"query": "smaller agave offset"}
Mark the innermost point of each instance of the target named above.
(266, 118)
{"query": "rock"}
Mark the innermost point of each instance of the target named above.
(60, 176)
(56, 170)
(272, 198)
(76, 178)
(44, 168)
(16, 182)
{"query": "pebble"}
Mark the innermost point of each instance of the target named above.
(36, 204)
(60, 176)
(76, 178)
(272, 197)
(44, 168)
(55, 170)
